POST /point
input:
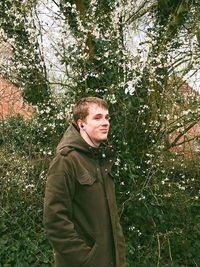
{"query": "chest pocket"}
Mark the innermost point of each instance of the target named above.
(86, 179)
(87, 187)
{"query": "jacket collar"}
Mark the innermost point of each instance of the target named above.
(73, 140)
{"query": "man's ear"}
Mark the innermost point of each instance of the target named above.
(80, 124)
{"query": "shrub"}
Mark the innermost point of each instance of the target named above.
(158, 201)
(25, 152)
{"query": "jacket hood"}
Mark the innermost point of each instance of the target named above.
(73, 140)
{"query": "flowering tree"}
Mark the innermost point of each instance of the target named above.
(27, 67)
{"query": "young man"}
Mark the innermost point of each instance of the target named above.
(80, 212)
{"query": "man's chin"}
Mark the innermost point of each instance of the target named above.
(104, 138)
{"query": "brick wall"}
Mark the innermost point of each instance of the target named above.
(11, 101)
(188, 147)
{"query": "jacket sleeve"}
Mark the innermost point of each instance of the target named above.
(58, 217)
(121, 245)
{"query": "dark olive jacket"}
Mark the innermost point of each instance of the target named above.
(80, 212)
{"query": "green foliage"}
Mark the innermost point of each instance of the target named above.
(23, 241)
(159, 207)
(27, 63)
(159, 212)
(25, 152)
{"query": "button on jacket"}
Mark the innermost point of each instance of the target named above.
(80, 212)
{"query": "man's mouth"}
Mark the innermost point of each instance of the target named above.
(104, 130)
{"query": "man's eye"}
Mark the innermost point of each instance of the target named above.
(101, 117)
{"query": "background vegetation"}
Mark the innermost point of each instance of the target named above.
(137, 55)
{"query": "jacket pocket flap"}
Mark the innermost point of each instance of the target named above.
(86, 179)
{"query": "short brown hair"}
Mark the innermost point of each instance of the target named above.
(80, 109)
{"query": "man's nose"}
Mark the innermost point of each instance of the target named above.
(105, 121)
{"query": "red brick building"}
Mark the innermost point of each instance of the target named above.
(190, 141)
(11, 101)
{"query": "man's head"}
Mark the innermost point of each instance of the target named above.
(92, 117)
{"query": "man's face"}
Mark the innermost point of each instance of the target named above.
(96, 124)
